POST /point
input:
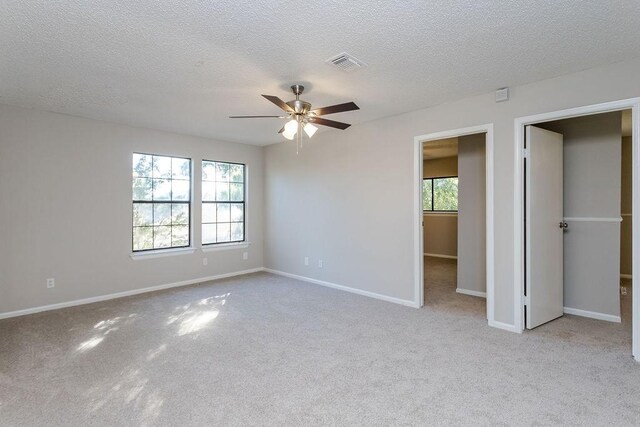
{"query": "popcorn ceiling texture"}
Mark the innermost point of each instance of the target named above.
(186, 66)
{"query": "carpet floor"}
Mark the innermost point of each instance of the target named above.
(266, 350)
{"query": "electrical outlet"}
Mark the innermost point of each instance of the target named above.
(623, 290)
(51, 283)
(245, 255)
(205, 261)
(306, 260)
(320, 263)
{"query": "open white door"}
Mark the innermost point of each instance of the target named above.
(544, 226)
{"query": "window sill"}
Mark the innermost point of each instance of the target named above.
(441, 213)
(162, 253)
(226, 246)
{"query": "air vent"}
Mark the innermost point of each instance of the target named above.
(346, 62)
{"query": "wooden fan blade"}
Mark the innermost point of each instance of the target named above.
(256, 117)
(281, 130)
(279, 102)
(339, 108)
(330, 123)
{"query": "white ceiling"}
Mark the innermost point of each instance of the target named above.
(441, 148)
(185, 66)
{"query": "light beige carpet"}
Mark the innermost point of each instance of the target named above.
(265, 350)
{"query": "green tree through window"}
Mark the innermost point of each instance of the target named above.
(161, 202)
(427, 194)
(440, 194)
(223, 202)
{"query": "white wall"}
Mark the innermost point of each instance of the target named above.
(348, 196)
(441, 229)
(65, 190)
(441, 234)
(438, 168)
(472, 213)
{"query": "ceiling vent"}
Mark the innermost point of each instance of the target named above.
(346, 62)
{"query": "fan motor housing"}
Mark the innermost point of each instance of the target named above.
(300, 107)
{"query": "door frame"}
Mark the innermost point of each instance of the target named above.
(518, 208)
(418, 231)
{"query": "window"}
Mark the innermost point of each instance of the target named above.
(161, 202)
(440, 194)
(223, 202)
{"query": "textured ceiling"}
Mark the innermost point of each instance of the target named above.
(185, 66)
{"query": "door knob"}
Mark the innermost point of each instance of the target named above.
(563, 225)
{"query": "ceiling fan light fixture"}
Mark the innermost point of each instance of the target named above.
(288, 135)
(290, 129)
(310, 129)
(301, 116)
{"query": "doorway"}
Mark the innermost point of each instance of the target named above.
(440, 189)
(568, 215)
(474, 275)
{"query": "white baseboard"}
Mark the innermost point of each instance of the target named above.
(441, 256)
(504, 326)
(592, 314)
(123, 294)
(472, 293)
(625, 276)
(345, 288)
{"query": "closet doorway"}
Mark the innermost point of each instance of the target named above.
(575, 178)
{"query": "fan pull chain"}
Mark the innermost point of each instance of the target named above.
(299, 141)
(300, 129)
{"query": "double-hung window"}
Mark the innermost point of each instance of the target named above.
(161, 202)
(223, 202)
(440, 194)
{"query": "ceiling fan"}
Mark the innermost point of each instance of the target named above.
(301, 115)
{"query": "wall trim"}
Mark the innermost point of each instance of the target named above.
(123, 294)
(344, 288)
(626, 276)
(472, 293)
(441, 256)
(592, 314)
(504, 326)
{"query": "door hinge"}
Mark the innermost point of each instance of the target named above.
(525, 153)
(525, 300)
